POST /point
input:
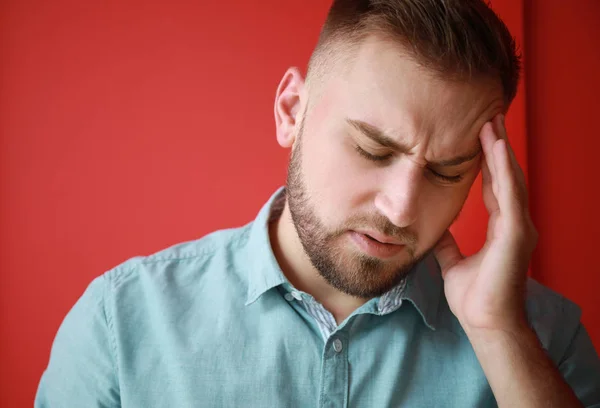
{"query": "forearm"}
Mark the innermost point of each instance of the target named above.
(519, 371)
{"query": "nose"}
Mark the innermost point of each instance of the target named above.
(398, 198)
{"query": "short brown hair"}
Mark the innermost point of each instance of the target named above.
(456, 39)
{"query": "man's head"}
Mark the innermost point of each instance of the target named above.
(384, 131)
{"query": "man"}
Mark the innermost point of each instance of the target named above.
(348, 289)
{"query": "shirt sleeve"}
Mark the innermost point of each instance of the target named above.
(82, 367)
(580, 367)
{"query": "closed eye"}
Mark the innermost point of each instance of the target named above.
(386, 157)
(373, 157)
(447, 179)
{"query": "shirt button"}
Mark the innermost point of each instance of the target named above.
(297, 295)
(288, 297)
(337, 345)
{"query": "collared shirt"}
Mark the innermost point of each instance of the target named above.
(215, 323)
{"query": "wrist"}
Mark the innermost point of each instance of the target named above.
(508, 318)
(517, 330)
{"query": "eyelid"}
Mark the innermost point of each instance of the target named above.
(373, 157)
(447, 179)
(380, 159)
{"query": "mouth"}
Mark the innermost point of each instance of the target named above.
(373, 239)
(380, 238)
(376, 245)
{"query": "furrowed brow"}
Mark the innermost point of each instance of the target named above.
(456, 160)
(378, 136)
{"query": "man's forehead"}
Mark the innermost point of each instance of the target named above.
(385, 77)
(397, 96)
(412, 120)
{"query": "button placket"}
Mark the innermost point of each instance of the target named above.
(335, 372)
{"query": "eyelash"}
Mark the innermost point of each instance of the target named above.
(447, 179)
(370, 156)
(380, 159)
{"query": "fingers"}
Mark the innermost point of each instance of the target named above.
(500, 129)
(506, 181)
(509, 196)
(447, 252)
(488, 138)
(494, 142)
(489, 198)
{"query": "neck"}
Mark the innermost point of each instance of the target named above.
(301, 273)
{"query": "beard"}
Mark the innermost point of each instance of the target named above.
(349, 271)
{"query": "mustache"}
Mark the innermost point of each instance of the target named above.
(380, 224)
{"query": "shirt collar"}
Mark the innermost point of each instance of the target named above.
(423, 287)
(264, 272)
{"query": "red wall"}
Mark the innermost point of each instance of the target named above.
(128, 126)
(563, 104)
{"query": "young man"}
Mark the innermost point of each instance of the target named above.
(348, 289)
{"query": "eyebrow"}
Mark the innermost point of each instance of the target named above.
(381, 138)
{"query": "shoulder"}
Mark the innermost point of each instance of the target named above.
(543, 301)
(181, 262)
(554, 318)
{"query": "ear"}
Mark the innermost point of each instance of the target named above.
(288, 105)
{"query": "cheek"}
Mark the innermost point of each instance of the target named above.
(438, 209)
(332, 178)
(446, 201)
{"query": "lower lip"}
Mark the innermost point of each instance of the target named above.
(375, 248)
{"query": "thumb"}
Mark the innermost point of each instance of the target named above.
(447, 252)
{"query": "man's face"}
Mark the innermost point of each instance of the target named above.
(373, 182)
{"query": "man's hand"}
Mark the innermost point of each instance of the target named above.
(486, 291)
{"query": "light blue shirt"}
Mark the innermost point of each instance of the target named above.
(215, 323)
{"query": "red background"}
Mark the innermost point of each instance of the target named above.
(127, 126)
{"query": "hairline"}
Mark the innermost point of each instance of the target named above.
(335, 53)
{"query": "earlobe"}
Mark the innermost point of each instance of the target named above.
(288, 103)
